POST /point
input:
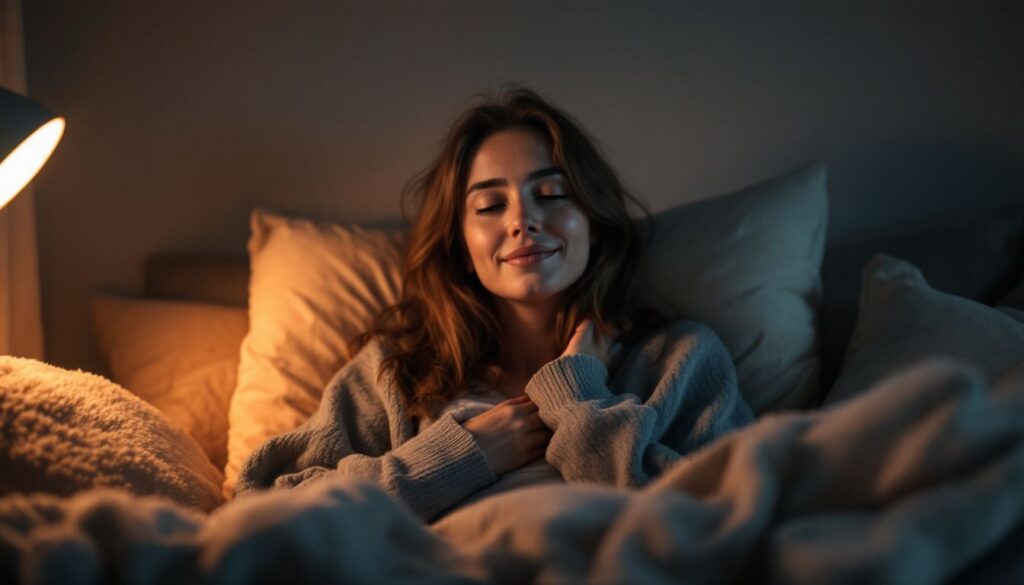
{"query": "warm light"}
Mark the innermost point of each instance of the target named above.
(25, 161)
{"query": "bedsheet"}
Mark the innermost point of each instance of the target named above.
(919, 480)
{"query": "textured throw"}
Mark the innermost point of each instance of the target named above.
(919, 480)
(64, 431)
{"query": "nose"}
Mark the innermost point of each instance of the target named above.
(523, 218)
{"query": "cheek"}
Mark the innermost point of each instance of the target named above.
(479, 240)
(574, 227)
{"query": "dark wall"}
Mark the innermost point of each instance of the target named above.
(183, 117)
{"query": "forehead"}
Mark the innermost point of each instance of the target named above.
(510, 154)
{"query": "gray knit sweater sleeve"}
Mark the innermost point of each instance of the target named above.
(670, 396)
(360, 430)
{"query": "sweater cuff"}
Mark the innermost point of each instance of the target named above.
(447, 459)
(568, 379)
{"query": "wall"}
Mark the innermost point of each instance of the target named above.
(183, 117)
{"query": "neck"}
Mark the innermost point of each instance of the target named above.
(529, 337)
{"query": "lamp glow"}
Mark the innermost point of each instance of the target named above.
(27, 158)
(28, 135)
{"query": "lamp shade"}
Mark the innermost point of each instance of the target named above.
(28, 134)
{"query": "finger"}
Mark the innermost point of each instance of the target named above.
(515, 400)
(582, 338)
(528, 413)
(586, 327)
(575, 338)
(526, 407)
(542, 430)
(538, 439)
(534, 423)
(582, 329)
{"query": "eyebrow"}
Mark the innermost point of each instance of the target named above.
(538, 174)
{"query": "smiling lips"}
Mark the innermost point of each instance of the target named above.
(529, 255)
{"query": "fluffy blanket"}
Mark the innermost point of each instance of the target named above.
(63, 431)
(920, 480)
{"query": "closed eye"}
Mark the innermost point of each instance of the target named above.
(489, 208)
(546, 198)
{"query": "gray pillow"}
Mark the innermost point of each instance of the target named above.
(748, 265)
(903, 320)
(978, 257)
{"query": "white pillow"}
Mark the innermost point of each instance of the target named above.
(902, 320)
(313, 286)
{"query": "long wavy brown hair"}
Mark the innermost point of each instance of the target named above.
(444, 332)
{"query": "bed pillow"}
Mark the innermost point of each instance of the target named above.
(64, 431)
(902, 320)
(748, 265)
(179, 356)
(313, 286)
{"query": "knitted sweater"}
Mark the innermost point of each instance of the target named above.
(670, 394)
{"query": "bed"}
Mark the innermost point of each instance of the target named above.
(887, 372)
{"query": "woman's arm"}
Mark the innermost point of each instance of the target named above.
(621, 440)
(352, 433)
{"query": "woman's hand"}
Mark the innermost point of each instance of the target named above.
(510, 434)
(586, 340)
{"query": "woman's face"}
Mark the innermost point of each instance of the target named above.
(527, 238)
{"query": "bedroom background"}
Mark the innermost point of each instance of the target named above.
(183, 117)
(191, 126)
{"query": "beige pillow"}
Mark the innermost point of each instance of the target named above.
(748, 265)
(313, 286)
(181, 357)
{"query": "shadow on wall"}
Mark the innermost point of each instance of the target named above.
(880, 186)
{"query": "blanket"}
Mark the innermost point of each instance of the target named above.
(919, 480)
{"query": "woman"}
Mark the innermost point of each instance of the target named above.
(493, 370)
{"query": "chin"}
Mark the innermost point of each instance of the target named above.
(531, 294)
(529, 289)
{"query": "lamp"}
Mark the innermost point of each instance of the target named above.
(28, 134)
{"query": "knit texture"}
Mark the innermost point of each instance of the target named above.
(672, 394)
(669, 395)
